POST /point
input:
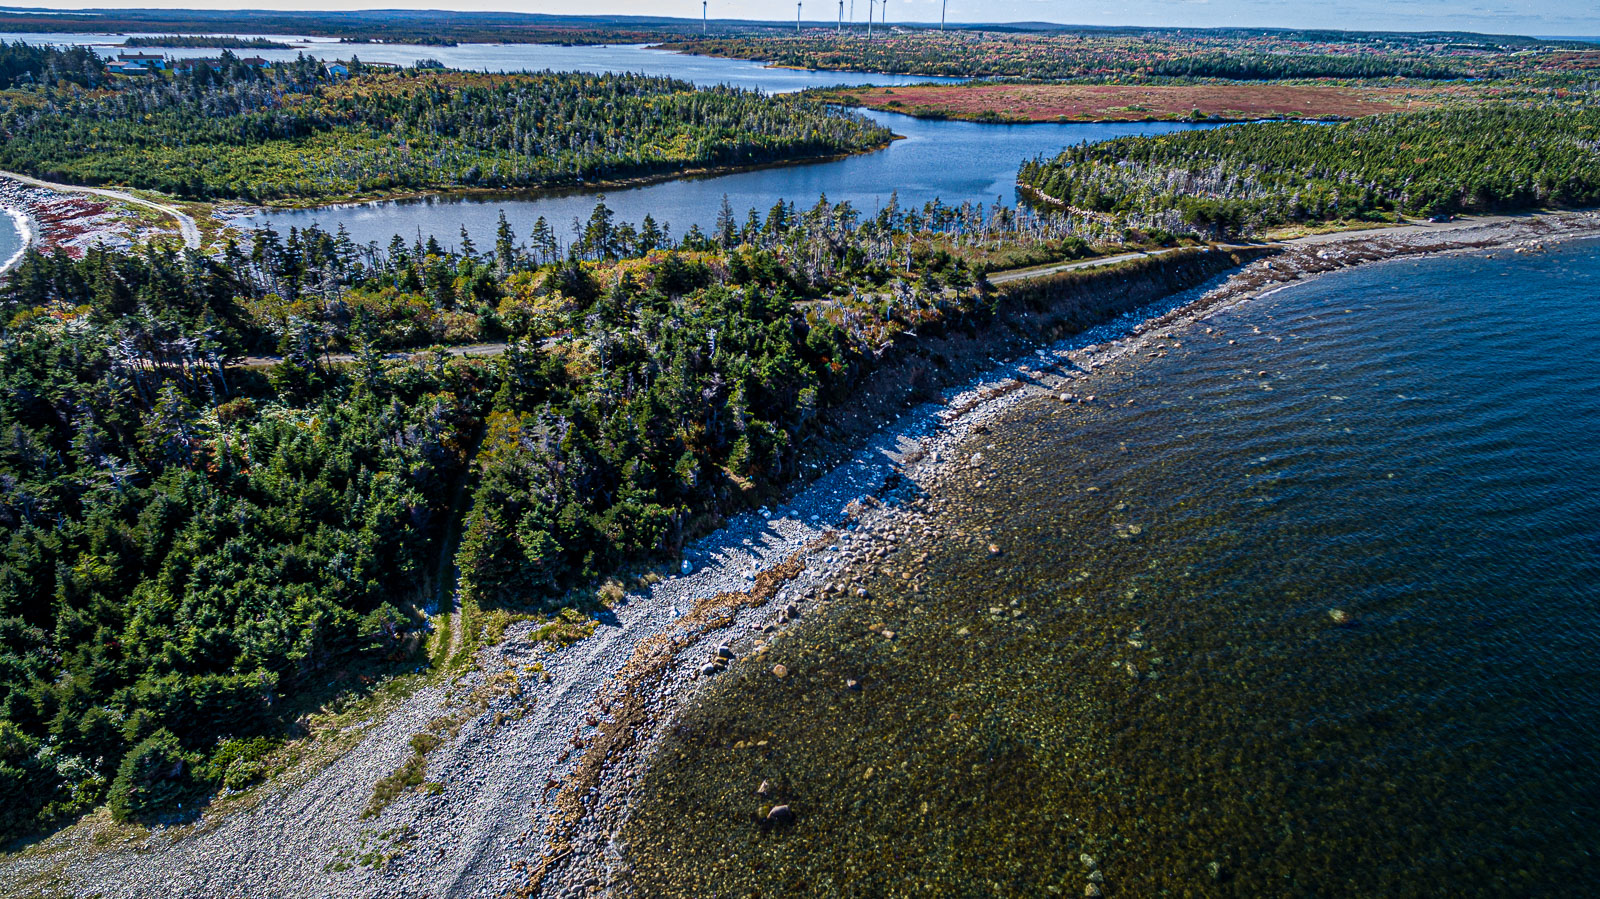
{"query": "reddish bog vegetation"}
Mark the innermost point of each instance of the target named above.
(1115, 102)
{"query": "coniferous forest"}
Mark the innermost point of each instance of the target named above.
(192, 546)
(225, 497)
(294, 132)
(1243, 179)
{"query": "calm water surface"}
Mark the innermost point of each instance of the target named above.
(1151, 676)
(950, 161)
(954, 162)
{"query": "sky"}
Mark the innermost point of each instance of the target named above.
(1535, 17)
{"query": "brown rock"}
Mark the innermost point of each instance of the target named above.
(780, 671)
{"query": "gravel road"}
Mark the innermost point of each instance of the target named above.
(186, 223)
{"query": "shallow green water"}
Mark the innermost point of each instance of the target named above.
(1151, 675)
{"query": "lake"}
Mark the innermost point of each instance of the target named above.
(1305, 606)
(945, 160)
(954, 162)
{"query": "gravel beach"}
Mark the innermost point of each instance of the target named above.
(534, 783)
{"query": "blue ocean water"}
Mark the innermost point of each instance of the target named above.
(10, 238)
(1305, 604)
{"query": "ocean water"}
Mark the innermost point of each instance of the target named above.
(1305, 606)
(10, 238)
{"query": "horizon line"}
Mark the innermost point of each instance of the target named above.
(820, 24)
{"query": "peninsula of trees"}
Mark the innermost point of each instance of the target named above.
(1247, 178)
(296, 132)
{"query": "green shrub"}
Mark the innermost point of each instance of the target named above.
(237, 764)
(25, 785)
(389, 788)
(153, 778)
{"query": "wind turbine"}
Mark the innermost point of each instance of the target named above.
(797, 18)
(840, 28)
(869, 19)
(702, 18)
(942, 7)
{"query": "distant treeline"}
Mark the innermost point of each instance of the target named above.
(1244, 178)
(209, 41)
(1055, 57)
(1121, 54)
(389, 25)
(420, 40)
(292, 132)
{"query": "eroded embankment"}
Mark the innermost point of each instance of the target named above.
(1013, 319)
(723, 800)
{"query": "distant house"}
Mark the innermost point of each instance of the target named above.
(117, 67)
(338, 70)
(151, 60)
(255, 62)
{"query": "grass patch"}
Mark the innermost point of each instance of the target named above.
(564, 629)
(375, 851)
(388, 789)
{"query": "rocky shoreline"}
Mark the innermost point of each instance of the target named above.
(72, 222)
(917, 459)
(529, 791)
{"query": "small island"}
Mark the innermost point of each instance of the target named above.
(207, 42)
